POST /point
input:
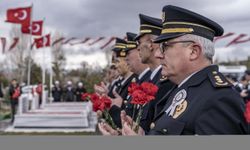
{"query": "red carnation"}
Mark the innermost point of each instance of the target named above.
(133, 87)
(94, 97)
(101, 103)
(86, 96)
(149, 88)
(96, 106)
(142, 94)
(138, 97)
(105, 103)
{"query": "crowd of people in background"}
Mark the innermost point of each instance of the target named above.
(241, 85)
(68, 93)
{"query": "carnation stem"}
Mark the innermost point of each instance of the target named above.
(109, 119)
(133, 115)
(138, 119)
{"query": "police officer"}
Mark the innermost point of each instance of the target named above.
(150, 28)
(79, 91)
(143, 74)
(128, 77)
(138, 67)
(57, 92)
(69, 91)
(204, 102)
(118, 53)
(123, 70)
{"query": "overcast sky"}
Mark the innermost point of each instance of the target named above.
(95, 18)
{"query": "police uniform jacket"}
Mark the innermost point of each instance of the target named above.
(165, 86)
(115, 111)
(205, 104)
(116, 85)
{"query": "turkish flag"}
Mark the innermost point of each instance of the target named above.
(36, 26)
(19, 15)
(42, 41)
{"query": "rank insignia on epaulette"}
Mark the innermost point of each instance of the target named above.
(133, 80)
(218, 80)
(152, 125)
(163, 78)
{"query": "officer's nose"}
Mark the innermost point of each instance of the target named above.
(158, 54)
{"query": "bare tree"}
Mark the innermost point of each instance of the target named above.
(108, 55)
(18, 56)
(59, 59)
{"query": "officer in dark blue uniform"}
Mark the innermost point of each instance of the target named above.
(204, 102)
(127, 79)
(150, 28)
(122, 90)
(120, 44)
(143, 74)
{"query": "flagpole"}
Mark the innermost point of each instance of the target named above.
(51, 74)
(51, 81)
(29, 57)
(43, 68)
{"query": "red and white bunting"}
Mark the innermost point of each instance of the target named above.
(235, 40)
(57, 41)
(223, 36)
(96, 41)
(107, 43)
(14, 43)
(85, 40)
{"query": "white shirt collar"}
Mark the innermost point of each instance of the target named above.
(115, 80)
(155, 72)
(124, 80)
(143, 73)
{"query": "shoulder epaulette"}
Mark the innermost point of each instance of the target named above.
(163, 78)
(218, 79)
(133, 80)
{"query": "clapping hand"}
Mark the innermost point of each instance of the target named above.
(127, 123)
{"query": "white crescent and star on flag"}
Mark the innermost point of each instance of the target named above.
(21, 15)
(36, 28)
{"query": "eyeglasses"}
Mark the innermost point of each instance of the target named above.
(165, 45)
